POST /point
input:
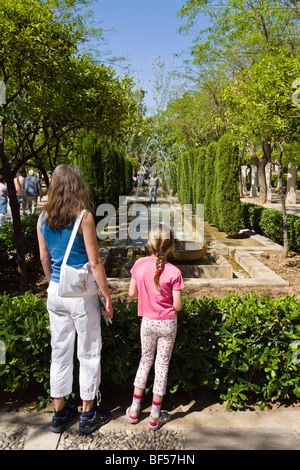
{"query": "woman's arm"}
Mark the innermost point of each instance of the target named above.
(45, 256)
(92, 249)
(177, 300)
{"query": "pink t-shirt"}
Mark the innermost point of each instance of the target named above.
(152, 303)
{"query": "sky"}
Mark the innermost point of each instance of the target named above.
(143, 30)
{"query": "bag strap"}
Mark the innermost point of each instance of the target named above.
(72, 238)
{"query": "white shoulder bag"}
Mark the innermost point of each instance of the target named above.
(76, 282)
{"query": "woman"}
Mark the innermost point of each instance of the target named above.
(3, 200)
(67, 197)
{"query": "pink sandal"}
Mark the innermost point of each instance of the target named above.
(155, 423)
(133, 417)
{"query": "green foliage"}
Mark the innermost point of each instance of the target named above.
(199, 182)
(24, 329)
(245, 346)
(107, 173)
(128, 173)
(7, 243)
(185, 166)
(269, 222)
(240, 346)
(210, 173)
(227, 197)
(121, 344)
(209, 176)
(275, 180)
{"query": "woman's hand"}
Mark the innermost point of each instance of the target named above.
(108, 312)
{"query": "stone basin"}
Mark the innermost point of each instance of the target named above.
(187, 251)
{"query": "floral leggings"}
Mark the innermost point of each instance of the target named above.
(159, 336)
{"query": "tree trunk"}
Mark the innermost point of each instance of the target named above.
(262, 180)
(267, 151)
(242, 151)
(261, 173)
(15, 211)
(284, 214)
(19, 237)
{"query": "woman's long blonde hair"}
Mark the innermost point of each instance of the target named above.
(67, 197)
(160, 240)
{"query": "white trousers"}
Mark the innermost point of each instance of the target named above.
(69, 316)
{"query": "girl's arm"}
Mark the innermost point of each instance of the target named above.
(133, 292)
(96, 264)
(45, 256)
(177, 300)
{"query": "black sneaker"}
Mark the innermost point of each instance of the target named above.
(62, 417)
(90, 420)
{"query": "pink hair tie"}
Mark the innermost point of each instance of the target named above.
(157, 273)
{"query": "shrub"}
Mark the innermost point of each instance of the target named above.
(24, 330)
(227, 197)
(7, 243)
(128, 175)
(240, 346)
(269, 222)
(209, 180)
(185, 166)
(104, 168)
(199, 182)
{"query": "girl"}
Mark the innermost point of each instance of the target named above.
(158, 285)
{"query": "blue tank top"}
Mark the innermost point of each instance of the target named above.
(57, 242)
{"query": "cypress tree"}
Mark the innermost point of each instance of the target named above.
(214, 202)
(199, 175)
(88, 159)
(227, 196)
(128, 176)
(209, 180)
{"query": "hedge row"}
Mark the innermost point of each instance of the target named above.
(209, 176)
(243, 347)
(7, 244)
(269, 222)
(106, 171)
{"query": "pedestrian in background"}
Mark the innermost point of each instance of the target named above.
(153, 185)
(32, 190)
(3, 200)
(20, 190)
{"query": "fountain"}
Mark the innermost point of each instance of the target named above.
(200, 258)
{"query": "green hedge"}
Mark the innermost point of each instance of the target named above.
(8, 255)
(227, 197)
(268, 222)
(209, 176)
(240, 346)
(24, 330)
(275, 180)
(106, 171)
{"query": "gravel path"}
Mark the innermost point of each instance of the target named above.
(140, 439)
(110, 439)
(13, 439)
